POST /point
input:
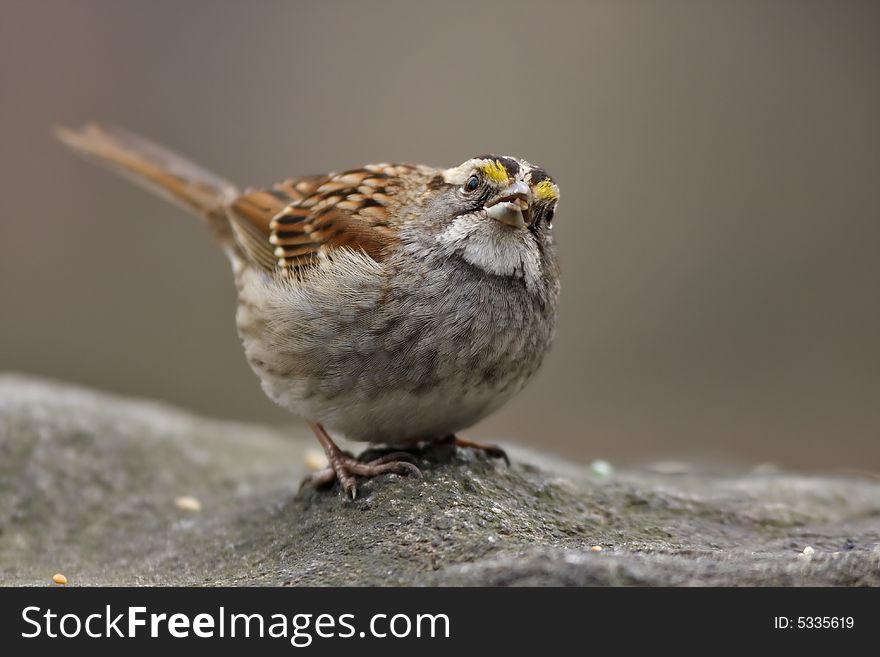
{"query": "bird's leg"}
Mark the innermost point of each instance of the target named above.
(344, 467)
(492, 450)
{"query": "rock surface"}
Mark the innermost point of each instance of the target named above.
(90, 486)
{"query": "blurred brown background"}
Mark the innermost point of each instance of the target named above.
(719, 227)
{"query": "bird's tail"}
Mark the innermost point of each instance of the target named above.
(155, 168)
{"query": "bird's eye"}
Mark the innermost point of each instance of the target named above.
(472, 183)
(549, 215)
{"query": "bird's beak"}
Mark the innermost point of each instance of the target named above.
(512, 206)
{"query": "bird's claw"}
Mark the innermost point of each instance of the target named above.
(344, 468)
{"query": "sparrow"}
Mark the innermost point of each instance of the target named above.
(393, 303)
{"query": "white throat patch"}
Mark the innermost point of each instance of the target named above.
(494, 247)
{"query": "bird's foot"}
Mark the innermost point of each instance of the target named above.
(491, 450)
(344, 467)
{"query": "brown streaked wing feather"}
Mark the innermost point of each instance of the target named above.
(348, 210)
(251, 213)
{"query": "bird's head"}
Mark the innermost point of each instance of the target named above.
(495, 212)
(504, 189)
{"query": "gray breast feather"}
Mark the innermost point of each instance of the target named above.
(386, 356)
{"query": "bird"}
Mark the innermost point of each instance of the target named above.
(394, 304)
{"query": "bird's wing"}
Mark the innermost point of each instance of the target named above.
(251, 213)
(289, 226)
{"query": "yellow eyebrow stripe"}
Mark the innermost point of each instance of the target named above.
(495, 172)
(546, 191)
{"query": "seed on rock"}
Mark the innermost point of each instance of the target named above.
(315, 460)
(58, 578)
(187, 503)
(808, 552)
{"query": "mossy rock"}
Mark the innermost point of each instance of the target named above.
(90, 486)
